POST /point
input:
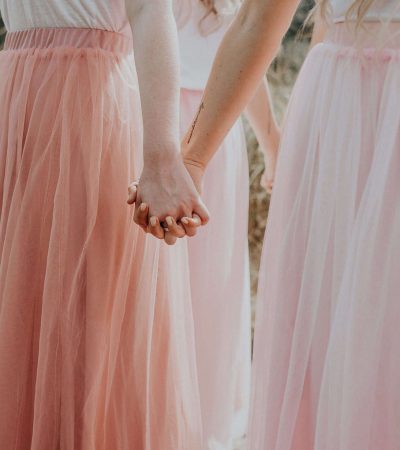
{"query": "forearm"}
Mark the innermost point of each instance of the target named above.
(247, 50)
(156, 54)
(260, 115)
(319, 31)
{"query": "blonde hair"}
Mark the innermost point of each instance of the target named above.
(210, 6)
(214, 10)
(358, 9)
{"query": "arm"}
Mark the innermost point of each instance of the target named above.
(260, 114)
(165, 188)
(245, 53)
(261, 117)
(319, 32)
(158, 73)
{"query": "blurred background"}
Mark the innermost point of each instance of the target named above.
(281, 76)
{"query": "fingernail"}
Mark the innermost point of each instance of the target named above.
(169, 221)
(153, 221)
(143, 207)
(185, 221)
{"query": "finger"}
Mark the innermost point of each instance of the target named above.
(155, 228)
(170, 239)
(141, 215)
(132, 193)
(267, 184)
(174, 229)
(191, 224)
(202, 212)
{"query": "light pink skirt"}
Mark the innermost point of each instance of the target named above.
(219, 274)
(96, 339)
(330, 271)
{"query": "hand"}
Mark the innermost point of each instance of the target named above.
(167, 202)
(268, 177)
(189, 224)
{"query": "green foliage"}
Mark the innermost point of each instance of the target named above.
(2, 32)
(298, 26)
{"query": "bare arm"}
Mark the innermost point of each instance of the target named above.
(165, 190)
(319, 32)
(261, 117)
(245, 53)
(156, 54)
(262, 120)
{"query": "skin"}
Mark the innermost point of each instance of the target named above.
(247, 50)
(319, 32)
(166, 195)
(262, 120)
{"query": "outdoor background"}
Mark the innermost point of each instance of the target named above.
(282, 76)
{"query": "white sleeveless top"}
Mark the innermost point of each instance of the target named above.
(100, 14)
(198, 41)
(379, 10)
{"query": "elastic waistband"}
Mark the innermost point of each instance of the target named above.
(80, 38)
(377, 36)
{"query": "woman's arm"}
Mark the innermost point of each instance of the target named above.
(260, 114)
(320, 29)
(156, 54)
(247, 50)
(261, 117)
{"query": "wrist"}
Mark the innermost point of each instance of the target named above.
(193, 157)
(161, 156)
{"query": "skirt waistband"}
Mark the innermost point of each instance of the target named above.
(375, 36)
(80, 38)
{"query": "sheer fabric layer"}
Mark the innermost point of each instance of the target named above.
(219, 272)
(96, 339)
(329, 262)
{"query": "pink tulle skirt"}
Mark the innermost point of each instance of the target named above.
(96, 339)
(329, 277)
(220, 282)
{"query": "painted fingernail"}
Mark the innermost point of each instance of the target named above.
(185, 221)
(169, 221)
(143, 207)
(153, 221)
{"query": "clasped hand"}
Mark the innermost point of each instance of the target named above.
(167, 200)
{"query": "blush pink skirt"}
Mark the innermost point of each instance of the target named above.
(96, 338)
(326, 364)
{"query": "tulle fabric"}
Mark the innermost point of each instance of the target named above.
(219, 273)
(333, 239)
(359, 406)
(96, 338)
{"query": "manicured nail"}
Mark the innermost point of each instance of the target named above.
(143, 207)
(185, 221)
(169, 221)
(153, 221)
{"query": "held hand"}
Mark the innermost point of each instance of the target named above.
(167, 202)
(189, 224)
